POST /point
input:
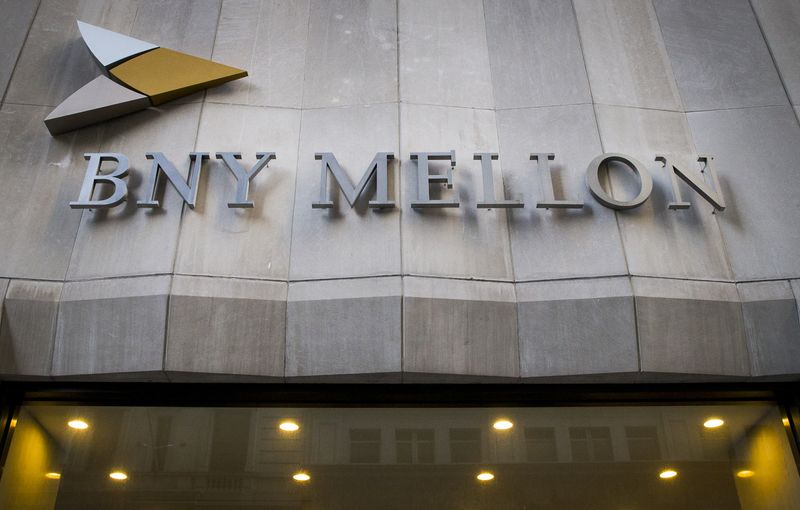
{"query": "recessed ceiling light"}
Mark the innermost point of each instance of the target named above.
(713, 423)
(301, 476)
(53, 476)
(78, 424)
(502, 425)
(485, 476)
(118, 476)
(289, 426)
(745, 473)
(667, 474)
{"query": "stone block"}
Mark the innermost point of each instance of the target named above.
(718, 54)
(112, 329)
(625, 55)
(772, 327)
(455, 328)
(556, 243)
(27, 328)
(248, 243)
(351, 54)
(268, 39)
(226, 327)
(756, 151)
(535, 53)
(780, 23)
(577, 327)
(14, 25)
(690, 327)
(346, 330)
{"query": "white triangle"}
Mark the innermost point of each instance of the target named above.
(110, 47)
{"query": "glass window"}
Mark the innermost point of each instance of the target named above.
(113, 457)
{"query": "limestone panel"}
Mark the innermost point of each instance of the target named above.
(344, 328)
(444, 59)
(718, 55)
(54, 61)
(465, 241)
(772, 327)
(180, 25)
(345, 241)
(244, 242)
(690, 327)
(661, 242)
(535, 53)
(268, 39)
(39, 176)
(115, 326)
(555, 243)
(27, 328)
(351, 57)
(780, 23)
(459, 328)
(128, 240)
(16, 20)
(625, 54)
(226, 326)
(756, 151)
(577, 327)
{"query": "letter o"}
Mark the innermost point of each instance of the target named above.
(593, 181)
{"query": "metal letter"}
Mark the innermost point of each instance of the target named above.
(425, 178)
(546, 179)
(243, 177)
(378, 168)
(695, 181)
(593, 181)
(93, 176)
(489, 200)
(187, 190)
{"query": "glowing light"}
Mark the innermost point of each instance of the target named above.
(118, 476)
(745, 473)
(485, 476)
(14, 422)
(78, 424)
(667, 474)
(289, 426)
(53, 476)
(301, 476)
(502, 425)
(785, 422)
(713, 423)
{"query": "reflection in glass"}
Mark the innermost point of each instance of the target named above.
(606, 458)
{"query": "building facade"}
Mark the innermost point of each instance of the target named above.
(551, 264)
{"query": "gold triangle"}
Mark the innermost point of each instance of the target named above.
(164, 75)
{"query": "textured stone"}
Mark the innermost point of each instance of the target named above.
(115, 326)
(625, 54)
(344, 328)
(27, 328)
(39, 176)
(780, 23)
(772, 326)
(718, 54)
(443, 55)
(554, 243)
(756, 151)
(345, 241)
(250, 243)
(661, 242)
(14, 24)
(465, 242)
(689, 327)
(535, 53)
(459, 328)
(351, 54)
(127, 240)
(226, 326)
(180, 25)
(268, 39)
(577, 327)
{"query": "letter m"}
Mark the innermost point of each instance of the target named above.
(378, 169)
